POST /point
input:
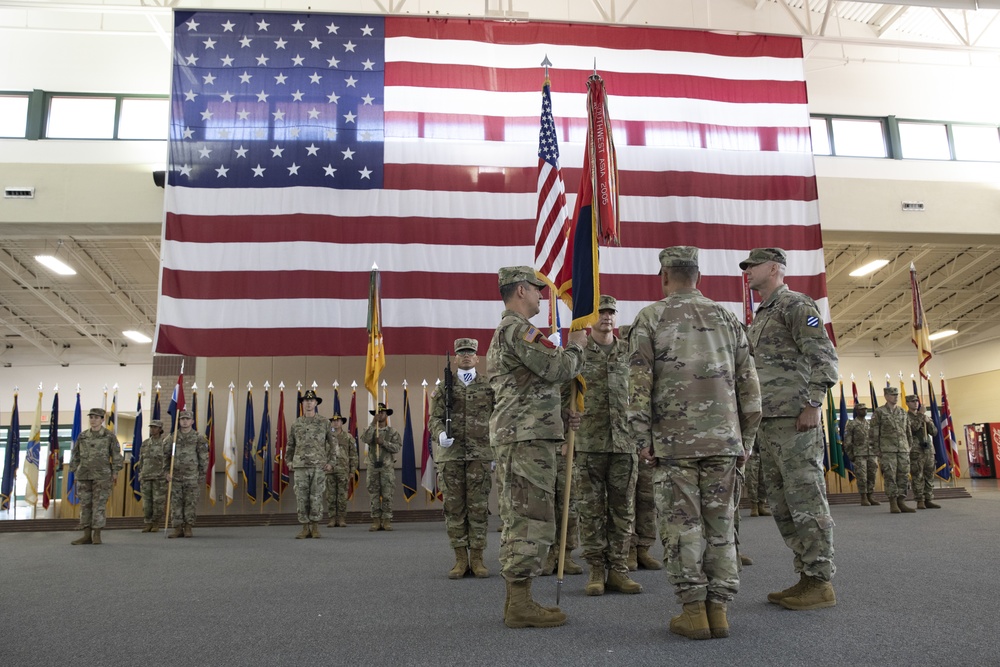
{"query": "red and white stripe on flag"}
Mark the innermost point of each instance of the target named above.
(711, 131)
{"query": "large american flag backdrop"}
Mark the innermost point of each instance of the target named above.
(304, 148)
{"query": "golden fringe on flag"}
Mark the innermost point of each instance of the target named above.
(375, 361)
(921, 335)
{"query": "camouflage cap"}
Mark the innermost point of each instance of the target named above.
(466, 344)
(761, 255)
(860, 406)
(891, 391)
(913, 398)
(96, 412)
(185, 414)
(157, 423)
(514, 274)
(679, 256)
(310, 395)
(608, 303)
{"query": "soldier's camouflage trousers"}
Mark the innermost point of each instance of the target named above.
(644, 530)
(381, 485)
(694, 499)
(154, 499)
(336, 493)
(310, 484)
(528, 471)
(895, 473)
(755, 490)
(184, 495)
(466, 489)
(573, 527)
(922, 468)
(606, 504)
(865, 468)
(796, 492)
(93, 495)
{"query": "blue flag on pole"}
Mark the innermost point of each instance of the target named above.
(942, 466)
(136, 447)
(265, 451)
(12, 458)
(74, 434)
(409, 472)
(156, 406)
(249, 460)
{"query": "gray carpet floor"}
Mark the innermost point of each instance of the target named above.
(918, 589)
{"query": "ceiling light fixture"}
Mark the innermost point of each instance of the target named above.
(944, 333)
(55, 265)
(870, 267)
(137, 336)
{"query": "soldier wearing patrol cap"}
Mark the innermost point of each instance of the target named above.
(796, 364)
(186, 474)
(858, 448)
(153, 476)
(693, 409)
(889, 436)
(526, 372)
(95, 461)
(311, 453)
(463, 457)
(922, 466)
(606, 461)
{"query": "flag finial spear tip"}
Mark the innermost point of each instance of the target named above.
(115, 387)
(78, 387)
(424, 383)
(231, 386)
(336, 384)
(404, 383)
(249, 385)
(384, 383)
(194, 386)
(157, 386)
(298, 385)
(211, 386)
(354, 384)
(281, 385)
(267, 385)
(374, 266)
(546, 62)
(40, 386)
(314, 385)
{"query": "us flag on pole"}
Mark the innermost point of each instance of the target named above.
(306, 147)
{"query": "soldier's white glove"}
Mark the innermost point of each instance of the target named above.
(444, 440)
(556, 339)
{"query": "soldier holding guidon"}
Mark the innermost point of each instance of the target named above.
(383, 441)
(922, 464)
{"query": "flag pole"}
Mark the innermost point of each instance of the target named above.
(170, 479)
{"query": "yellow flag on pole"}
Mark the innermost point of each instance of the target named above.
(375, 361)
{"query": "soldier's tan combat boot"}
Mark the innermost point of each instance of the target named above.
(776, 598)
(816, 594)
(386, 524)
(376, 524)
(178, 532)
(523, 612)
(147, 527)
(864, 500)
(476, 564)
(894, 506)
(620, 581)
(461, 565)
(342, 521)
(155, 527)
(633, 559)
(87, 538)
(871, 499)
(314, 530)
(904, 508)
(304, 533)
(96, 536)
(551, 561)
(931, 505)
(763, 510)
(921, 505)
(188, 530)
(718, 623)
(745, 560)
(645, 559)
(332, 523)
(595, 584)
(754, 509)
(570, 566)
(692, 622)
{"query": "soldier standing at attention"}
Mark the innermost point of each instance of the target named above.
(890, 438)
(96, 460)
(383, 441)
(796, 364)
(756, 487)
(922, 466)
(694, 409)
(190, 461)
(606, 463)
(153, 476)
(311, 452)
(343, 468)
(862, 455)
(526, 372)
(463, 456)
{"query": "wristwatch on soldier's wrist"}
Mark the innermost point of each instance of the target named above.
(814, 404)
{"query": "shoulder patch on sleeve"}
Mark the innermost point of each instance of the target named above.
(533, 335)
(812, 321)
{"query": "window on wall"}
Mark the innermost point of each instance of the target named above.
(858, 137)
(924, 141)
(13, 116)
(820, 136)
(80, 118)
(143, 118)
(976, 142)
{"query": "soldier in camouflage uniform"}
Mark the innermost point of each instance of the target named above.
(526, 372)
(862, 455)
(190, 461)
(382, 441)
(95, 461)
(922, 463)
(889, 435)
(796, 364)
(339, 477)
(462, 455)
(153, 476)
(694, 409)
(312, 450)
(606, 461)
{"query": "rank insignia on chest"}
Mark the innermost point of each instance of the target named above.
(812, 321)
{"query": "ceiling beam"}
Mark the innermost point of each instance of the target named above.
(118, 293)
(30, 334)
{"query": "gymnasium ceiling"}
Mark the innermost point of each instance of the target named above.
(46, 319)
